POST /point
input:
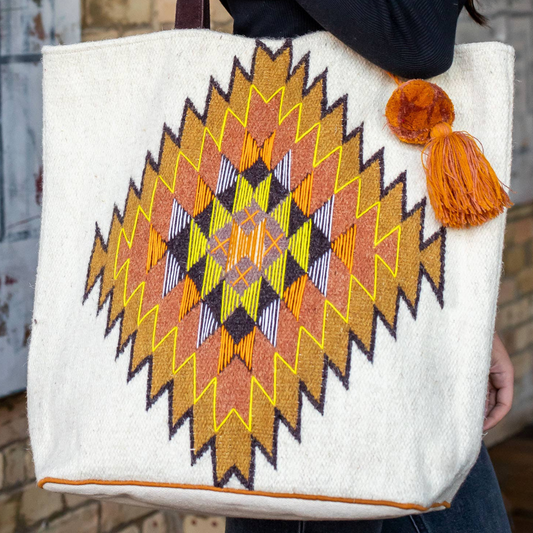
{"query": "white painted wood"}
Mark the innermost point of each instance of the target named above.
(25, 26)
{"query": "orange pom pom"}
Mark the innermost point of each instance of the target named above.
(415, 107)
(462, 186)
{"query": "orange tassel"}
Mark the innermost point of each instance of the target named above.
(462, 186)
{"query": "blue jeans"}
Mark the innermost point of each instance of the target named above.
(477, 508)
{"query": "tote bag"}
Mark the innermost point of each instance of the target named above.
(244, 302)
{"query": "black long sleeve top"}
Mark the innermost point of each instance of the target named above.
(410, 38)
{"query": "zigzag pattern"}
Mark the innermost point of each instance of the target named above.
(372, 256)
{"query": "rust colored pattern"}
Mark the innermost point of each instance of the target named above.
(259, 246)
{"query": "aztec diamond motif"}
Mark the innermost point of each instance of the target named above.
(259, 246)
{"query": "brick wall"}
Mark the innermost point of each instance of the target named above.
(109, 19)
(25, 508)
(514, 321)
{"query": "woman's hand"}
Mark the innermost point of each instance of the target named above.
(500, 388)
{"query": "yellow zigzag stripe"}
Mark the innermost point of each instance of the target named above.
(219, 218)
(250, 298)
(275, 273)
(282, 213)
(299, 245)
(197, 245)
(243, 195)
(262, 193)
(213, 273)
(230, 301)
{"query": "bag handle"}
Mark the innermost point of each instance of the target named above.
(192, 14)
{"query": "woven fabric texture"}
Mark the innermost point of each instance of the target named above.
(254, 310)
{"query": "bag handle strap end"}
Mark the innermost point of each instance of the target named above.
(192, 14)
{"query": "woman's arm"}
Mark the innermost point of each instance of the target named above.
(410, 38)
(501, 382)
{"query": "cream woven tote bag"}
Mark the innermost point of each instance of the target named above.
(244, 303)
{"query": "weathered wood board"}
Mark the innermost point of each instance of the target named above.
(25, 26)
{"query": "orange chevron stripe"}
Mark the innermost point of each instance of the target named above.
(228, 348)
(344, 247)
(302, 194)
(245, 348)
(190, 298)
(266, 150)
(294, 294)
(203, 196)
(156, 248)
(250, 152)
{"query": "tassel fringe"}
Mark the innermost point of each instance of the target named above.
(462, 185)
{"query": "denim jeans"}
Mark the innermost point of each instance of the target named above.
(477, 508)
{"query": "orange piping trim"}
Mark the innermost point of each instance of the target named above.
(318, 497)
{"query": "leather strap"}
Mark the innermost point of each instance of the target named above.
(192, 14)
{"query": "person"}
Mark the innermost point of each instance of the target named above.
(411, 39)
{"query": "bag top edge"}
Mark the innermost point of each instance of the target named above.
(159, 35)
(88, 46)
